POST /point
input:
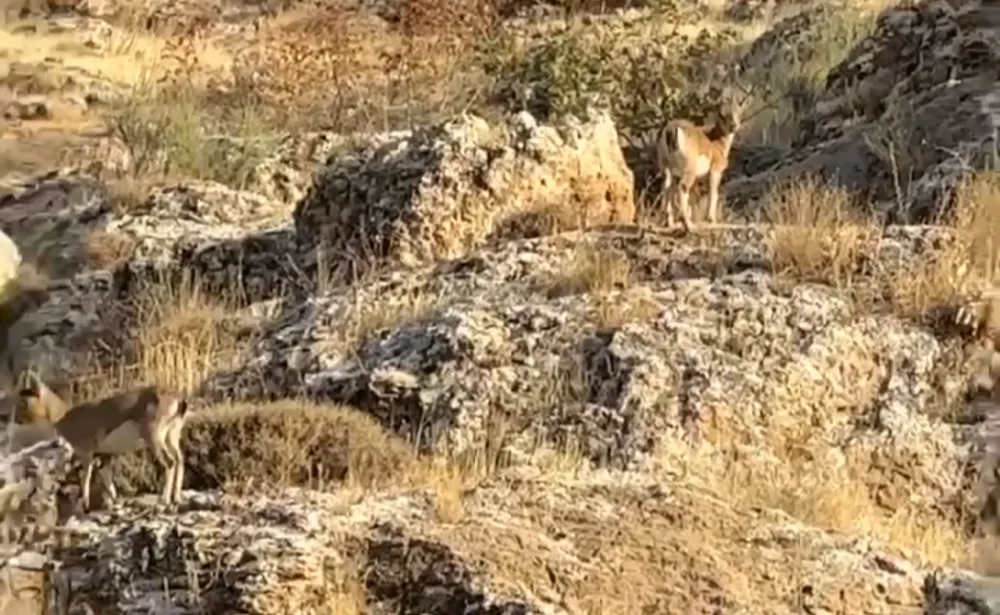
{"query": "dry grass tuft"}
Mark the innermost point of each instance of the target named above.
(344, 589)
(183, 334)
(177, 335)
(130, 194)
(615, 310)
(819, 236)
(365, 318)
(966, 264)
(592, 270)
(448, 482)
(108, 249)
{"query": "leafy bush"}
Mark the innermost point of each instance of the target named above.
(645, 73)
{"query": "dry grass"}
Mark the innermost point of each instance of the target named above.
(965, 265)
(818, 235)
(344, 589)
(591, 270)
(129, 194)
(123, 61)
(108, 249)
(809, 489)
(179, 336)
(448, 482)
(183, 335)
(367, 316)
(255, 448)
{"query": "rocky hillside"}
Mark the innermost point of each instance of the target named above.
(406, 261)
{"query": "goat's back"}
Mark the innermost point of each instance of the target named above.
(86, 425)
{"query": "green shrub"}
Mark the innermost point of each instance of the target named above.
(643, 72)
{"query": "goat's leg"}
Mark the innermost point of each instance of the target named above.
(174, 450)
(683, 199)
(156, 437)
(107, 479)
(714, 181)
(88, 461)
(667, 196)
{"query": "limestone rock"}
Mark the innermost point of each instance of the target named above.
(636, 372)
(960, 594)
(284, 176)
(441, 191)
(295, 550)
(95, 254)
(519, 545)
(220, 235)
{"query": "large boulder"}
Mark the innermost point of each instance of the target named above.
(440, 191)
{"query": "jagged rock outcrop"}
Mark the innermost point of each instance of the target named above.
(905, 116)
(699, 337)
(94, 254)
(458, 187)
(31, 498)
(960, 594)
(285, 175)
(298, 550)
(441, 191)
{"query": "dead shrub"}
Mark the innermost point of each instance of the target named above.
(446, 17)
(337, 69)
(281, 444)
